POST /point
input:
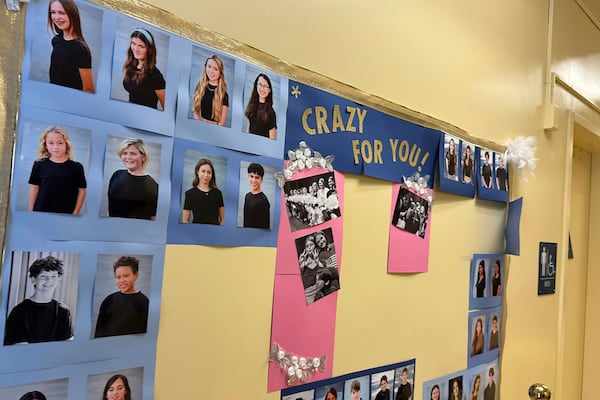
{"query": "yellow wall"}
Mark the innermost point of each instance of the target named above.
(478, 65)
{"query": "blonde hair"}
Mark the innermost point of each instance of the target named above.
(220, 90)
(139, 144)
(43, 150)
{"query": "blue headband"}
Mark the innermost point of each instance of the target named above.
(146, 35)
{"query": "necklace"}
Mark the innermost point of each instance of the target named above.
(209, 87)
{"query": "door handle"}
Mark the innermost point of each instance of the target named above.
(539, 391)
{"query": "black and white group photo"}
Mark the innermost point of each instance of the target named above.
(411, 212)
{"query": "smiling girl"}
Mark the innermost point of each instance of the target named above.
(142, 80)
(211, 101)
(262, 120)
(203, 202)
(132, 193)
(57, 183)
(71, 59)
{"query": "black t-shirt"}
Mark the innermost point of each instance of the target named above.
(122, 314)
(68, 56)
(206, 104)
(261, 127)
(256, 211)
(144, 93)
(58, 185)
(132, 196)
(204, 205)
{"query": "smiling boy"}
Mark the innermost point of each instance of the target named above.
(256, 205)
(126, 311)
(40, 318)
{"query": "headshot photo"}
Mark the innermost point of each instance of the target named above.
(334, 391)
(42, 299)
(381, 385)
(357, 388)
(256, 196)
(211, 86)
(203, 189)
(126, 384)
(468, 162)
(451, 145)
(140, 62)
(318, 265)
(476, 387)
(66, 45)
(486, 168)
(480, 279)
(261, 101)
(494, 331)
(131, 171)
(456, 388)
(121, 295)
(311, 201)
(501, 172)
(435, 391)
(45, 390)
(403, 383)
(489, 392)
(477, 334)
(411, 212)
(55, 159)
(496, 278)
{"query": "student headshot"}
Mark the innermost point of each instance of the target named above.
(501, 173)
(480, 280)
(41, 316)
(71, 59)
(494, 333)
(210, 100)
(260, 115)
(125, 311)
(467, 163)
(486, 170)
(126, 384)
(477, 338)
(384, 391)
(355, 390)
(203, 202)
(141, 77)
(451, 157)
(489, 392)
(456, 388)
(257, 186)
(39, 390)
(331, 394)
(496, 278)
(404, 391)
(57, 182)
(435, 393)
(474, 393)
(132, 192)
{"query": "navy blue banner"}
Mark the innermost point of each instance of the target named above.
(363, 140)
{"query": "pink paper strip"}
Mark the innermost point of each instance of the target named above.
(304, 330)
(407, 252)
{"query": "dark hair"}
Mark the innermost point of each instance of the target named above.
(495, 318)
(127, 261)
(332, 391)
(405, 370)
(130, 69)
(112, 380)
(492, 371)
(257, 169)
(213, 181)
(252, 108)
(383, 378)
(46, 264)
(434, 387)
(355, 386)
(33, 395)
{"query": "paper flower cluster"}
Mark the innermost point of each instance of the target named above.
(420, 184)
(297, 368)
(520, 153)
(300, 159)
